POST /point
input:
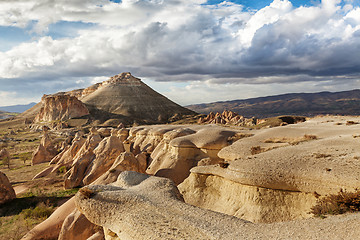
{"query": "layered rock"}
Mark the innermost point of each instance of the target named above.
(60, 107)
(7, 192)
(176, 149)
(140, 207)
(182, 149)
(296, 164)
(121, 99)
(128, 99)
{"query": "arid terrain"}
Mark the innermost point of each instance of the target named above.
(301, 104)
(94, 170)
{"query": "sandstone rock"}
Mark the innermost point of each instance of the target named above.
(105, 132)
(125, 162)
(123, 134)
(142, 207)
(7, 192)
(105, 154)
(60, 107)
(46, 150)
(82, 159)
(181, 150)
(77, 227)
(287, 170)
(65, 158)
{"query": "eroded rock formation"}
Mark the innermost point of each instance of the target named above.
(139, 207)
(227, 117)
(7, 192)
(60, 107)
(294, 165)
(46, 150)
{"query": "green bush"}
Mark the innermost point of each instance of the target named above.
(42, 211)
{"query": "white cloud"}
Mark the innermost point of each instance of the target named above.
(179, 40)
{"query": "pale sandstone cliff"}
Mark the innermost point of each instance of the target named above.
(60, 107)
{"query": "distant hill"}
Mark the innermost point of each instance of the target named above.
(4, 115)
(17, 108)
(304, 104)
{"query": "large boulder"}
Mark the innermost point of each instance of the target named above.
(7, 192)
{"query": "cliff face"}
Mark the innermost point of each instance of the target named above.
(60, 107)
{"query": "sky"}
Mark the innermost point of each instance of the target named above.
(192, 51)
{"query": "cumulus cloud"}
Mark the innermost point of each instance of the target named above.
(182, 40)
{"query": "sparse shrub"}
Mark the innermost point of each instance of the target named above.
(337, 204)
(42, 211)
(292, 141)
(310, 137)
(62, 169)
(351, 123)
(256, 150)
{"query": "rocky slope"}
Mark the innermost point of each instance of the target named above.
(300, 104)
(121, 99)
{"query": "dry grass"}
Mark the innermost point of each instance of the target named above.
(337, 204)
(292, 141)
(23, 213)
(257, 150)
(239, 136)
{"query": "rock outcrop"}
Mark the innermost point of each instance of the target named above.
(139, 207)
(105, 154)
(60, 107)
(65, 158)
(174, 150)
(45, 151)
(7, 192)
(81, 161)
(282, 180)
(228, 118)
